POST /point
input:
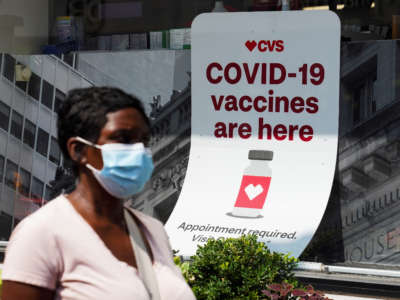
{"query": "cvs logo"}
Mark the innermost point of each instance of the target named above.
(266, 45)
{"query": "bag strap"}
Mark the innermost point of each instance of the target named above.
(143, 261)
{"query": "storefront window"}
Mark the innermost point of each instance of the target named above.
(361, 225)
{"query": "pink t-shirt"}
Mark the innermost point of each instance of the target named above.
(56, 248)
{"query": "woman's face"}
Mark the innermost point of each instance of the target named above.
(125, 126)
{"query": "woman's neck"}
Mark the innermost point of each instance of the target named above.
(94, 202)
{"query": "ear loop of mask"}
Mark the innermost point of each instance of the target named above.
(86, 142)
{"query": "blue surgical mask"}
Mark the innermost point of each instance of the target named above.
(126, 168)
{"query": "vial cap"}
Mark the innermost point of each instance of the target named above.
(261, 155)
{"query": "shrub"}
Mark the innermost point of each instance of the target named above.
(286, 291)
(184, 266)
(237, 269)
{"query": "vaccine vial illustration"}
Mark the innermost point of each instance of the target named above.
(255, 184)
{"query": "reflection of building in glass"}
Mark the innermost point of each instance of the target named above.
(170, 146)
(29, 154)
(369, 152)
(145, 74)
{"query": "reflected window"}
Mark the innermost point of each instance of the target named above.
(34, 86)
(9, 67)
(29, 133)
(54, 151)
(5, 226)
(69, 59)
(16, 124)
(364, 100)
(60, 96)
(24, 182)
(47, 94)
(42, 142)
(4, 115)
(48, 193)
(21, 84)
(37, 188)
(11, 174)
(371, 93)
(357, 106)
(1, 168)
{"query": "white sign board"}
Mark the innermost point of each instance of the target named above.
(265, 100)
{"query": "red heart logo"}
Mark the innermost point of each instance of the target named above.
(251, 45)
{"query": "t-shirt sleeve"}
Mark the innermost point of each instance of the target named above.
(32, 256)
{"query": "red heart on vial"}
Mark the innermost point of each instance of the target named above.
(251, 45)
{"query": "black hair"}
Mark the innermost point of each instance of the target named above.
(83, 113)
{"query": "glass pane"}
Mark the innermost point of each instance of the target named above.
(1, 168)
(29, 133)
(16, 124)
(69, 59)
(11, 174)
(37, 189)
(4, 115)
(361, 224)
(47, 94)
(60, 96)
(5, 226)
(9, 67)
(34, 86)
(21, 84)
(42, 142)
(54, 151)
(48, 194)
(25, 182)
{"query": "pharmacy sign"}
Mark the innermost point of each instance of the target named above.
(265, 101)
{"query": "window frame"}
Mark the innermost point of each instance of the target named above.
(38, 143)
(5, 106)
(16, 130)
(35, 181)
(25, 131)
(33, 90)
(44, 94)
(7, 181)
(57, 160)
(8, 59)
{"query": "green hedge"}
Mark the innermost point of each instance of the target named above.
(236, 269)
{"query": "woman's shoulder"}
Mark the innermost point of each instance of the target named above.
(46, 217)
(35, 235)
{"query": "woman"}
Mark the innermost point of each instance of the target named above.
(78, 246)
